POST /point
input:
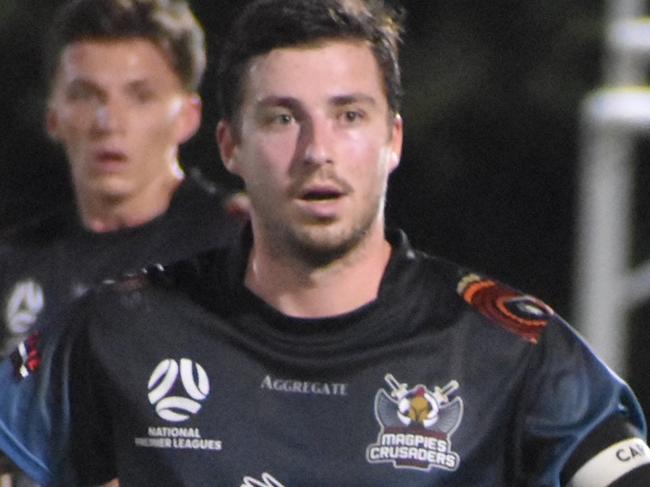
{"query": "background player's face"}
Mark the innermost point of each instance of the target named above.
(120, 111)
(316, 145)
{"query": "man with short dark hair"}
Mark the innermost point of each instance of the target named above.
(323, 349)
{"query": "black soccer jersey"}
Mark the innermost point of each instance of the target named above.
(180, 376)
(46, 264)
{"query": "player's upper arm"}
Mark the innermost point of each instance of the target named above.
(613, 455)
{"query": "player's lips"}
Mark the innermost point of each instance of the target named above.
(322, 200)
(321, 192)
(109, 158)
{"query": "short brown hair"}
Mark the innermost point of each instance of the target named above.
(168, 24)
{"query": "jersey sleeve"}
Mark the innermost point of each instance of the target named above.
(580, 421)
(46, 400)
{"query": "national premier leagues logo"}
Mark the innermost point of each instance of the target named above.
(416, 426)
(23, 306)
(176, 400)
(177, 389)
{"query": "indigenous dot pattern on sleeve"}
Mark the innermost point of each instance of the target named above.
(519, 313)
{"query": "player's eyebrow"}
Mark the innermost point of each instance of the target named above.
(278, 101)
(342, 100)
(295, 104)
(139, 82)
(80, 83)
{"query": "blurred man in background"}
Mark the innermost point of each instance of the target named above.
(123, 81)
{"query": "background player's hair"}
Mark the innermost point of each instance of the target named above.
(168, 24)
(269, 24)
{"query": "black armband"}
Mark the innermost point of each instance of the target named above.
(614, 454)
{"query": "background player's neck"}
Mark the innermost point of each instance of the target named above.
(104, 213)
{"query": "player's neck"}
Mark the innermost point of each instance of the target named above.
(101, 214)
(299, 289)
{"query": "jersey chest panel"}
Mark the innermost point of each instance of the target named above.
(211, 403)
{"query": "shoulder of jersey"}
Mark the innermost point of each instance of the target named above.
(133, 281)
(155, 275)
(38, 230)
(519, 313)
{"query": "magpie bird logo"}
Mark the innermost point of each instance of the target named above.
(417, 424)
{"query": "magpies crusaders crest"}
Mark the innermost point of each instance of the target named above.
(416, 426)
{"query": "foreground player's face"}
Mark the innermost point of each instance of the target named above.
(316, 145)
(120, 112)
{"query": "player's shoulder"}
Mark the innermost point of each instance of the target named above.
(458, 289)
(181, 275)
(149, 277)
(38, 231)
(520, 313)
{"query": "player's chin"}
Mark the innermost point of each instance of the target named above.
(322, 243)
(113, 188)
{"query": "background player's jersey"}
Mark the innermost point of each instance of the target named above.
(183, 377)
(51, 261)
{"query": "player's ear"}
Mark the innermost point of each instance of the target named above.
(189, 119)
(396, 141)
(51, 123)
(227, 140)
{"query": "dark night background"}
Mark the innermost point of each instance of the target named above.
(488, 174)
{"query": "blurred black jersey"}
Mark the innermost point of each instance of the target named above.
(48, 262)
